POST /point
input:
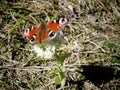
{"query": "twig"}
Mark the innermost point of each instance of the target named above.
(9, 60)
(95, 45)
(43, 88)
(33, 18)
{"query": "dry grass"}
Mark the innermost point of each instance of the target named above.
(93, 40)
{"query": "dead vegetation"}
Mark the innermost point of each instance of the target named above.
(93, 35)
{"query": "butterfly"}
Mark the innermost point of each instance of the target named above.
(45, 32)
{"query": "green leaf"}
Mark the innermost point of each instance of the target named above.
(63, 82)
(60, 57)
(62, 77)
(54, 71)
(57, 80)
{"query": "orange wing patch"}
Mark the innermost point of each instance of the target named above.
(53, 26)
(32, 32)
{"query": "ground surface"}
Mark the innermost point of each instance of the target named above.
(93, 35)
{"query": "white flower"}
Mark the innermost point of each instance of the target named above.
(48, 53)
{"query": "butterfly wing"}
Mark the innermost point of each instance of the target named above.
(45, 32)
(37, 33)
(42, 33)
(56, 25)
(53, 26)
(29, 33)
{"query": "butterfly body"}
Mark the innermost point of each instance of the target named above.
(45, 32)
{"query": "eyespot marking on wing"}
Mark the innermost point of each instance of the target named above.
(52, 34)
(32, 40)
(63, 21)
